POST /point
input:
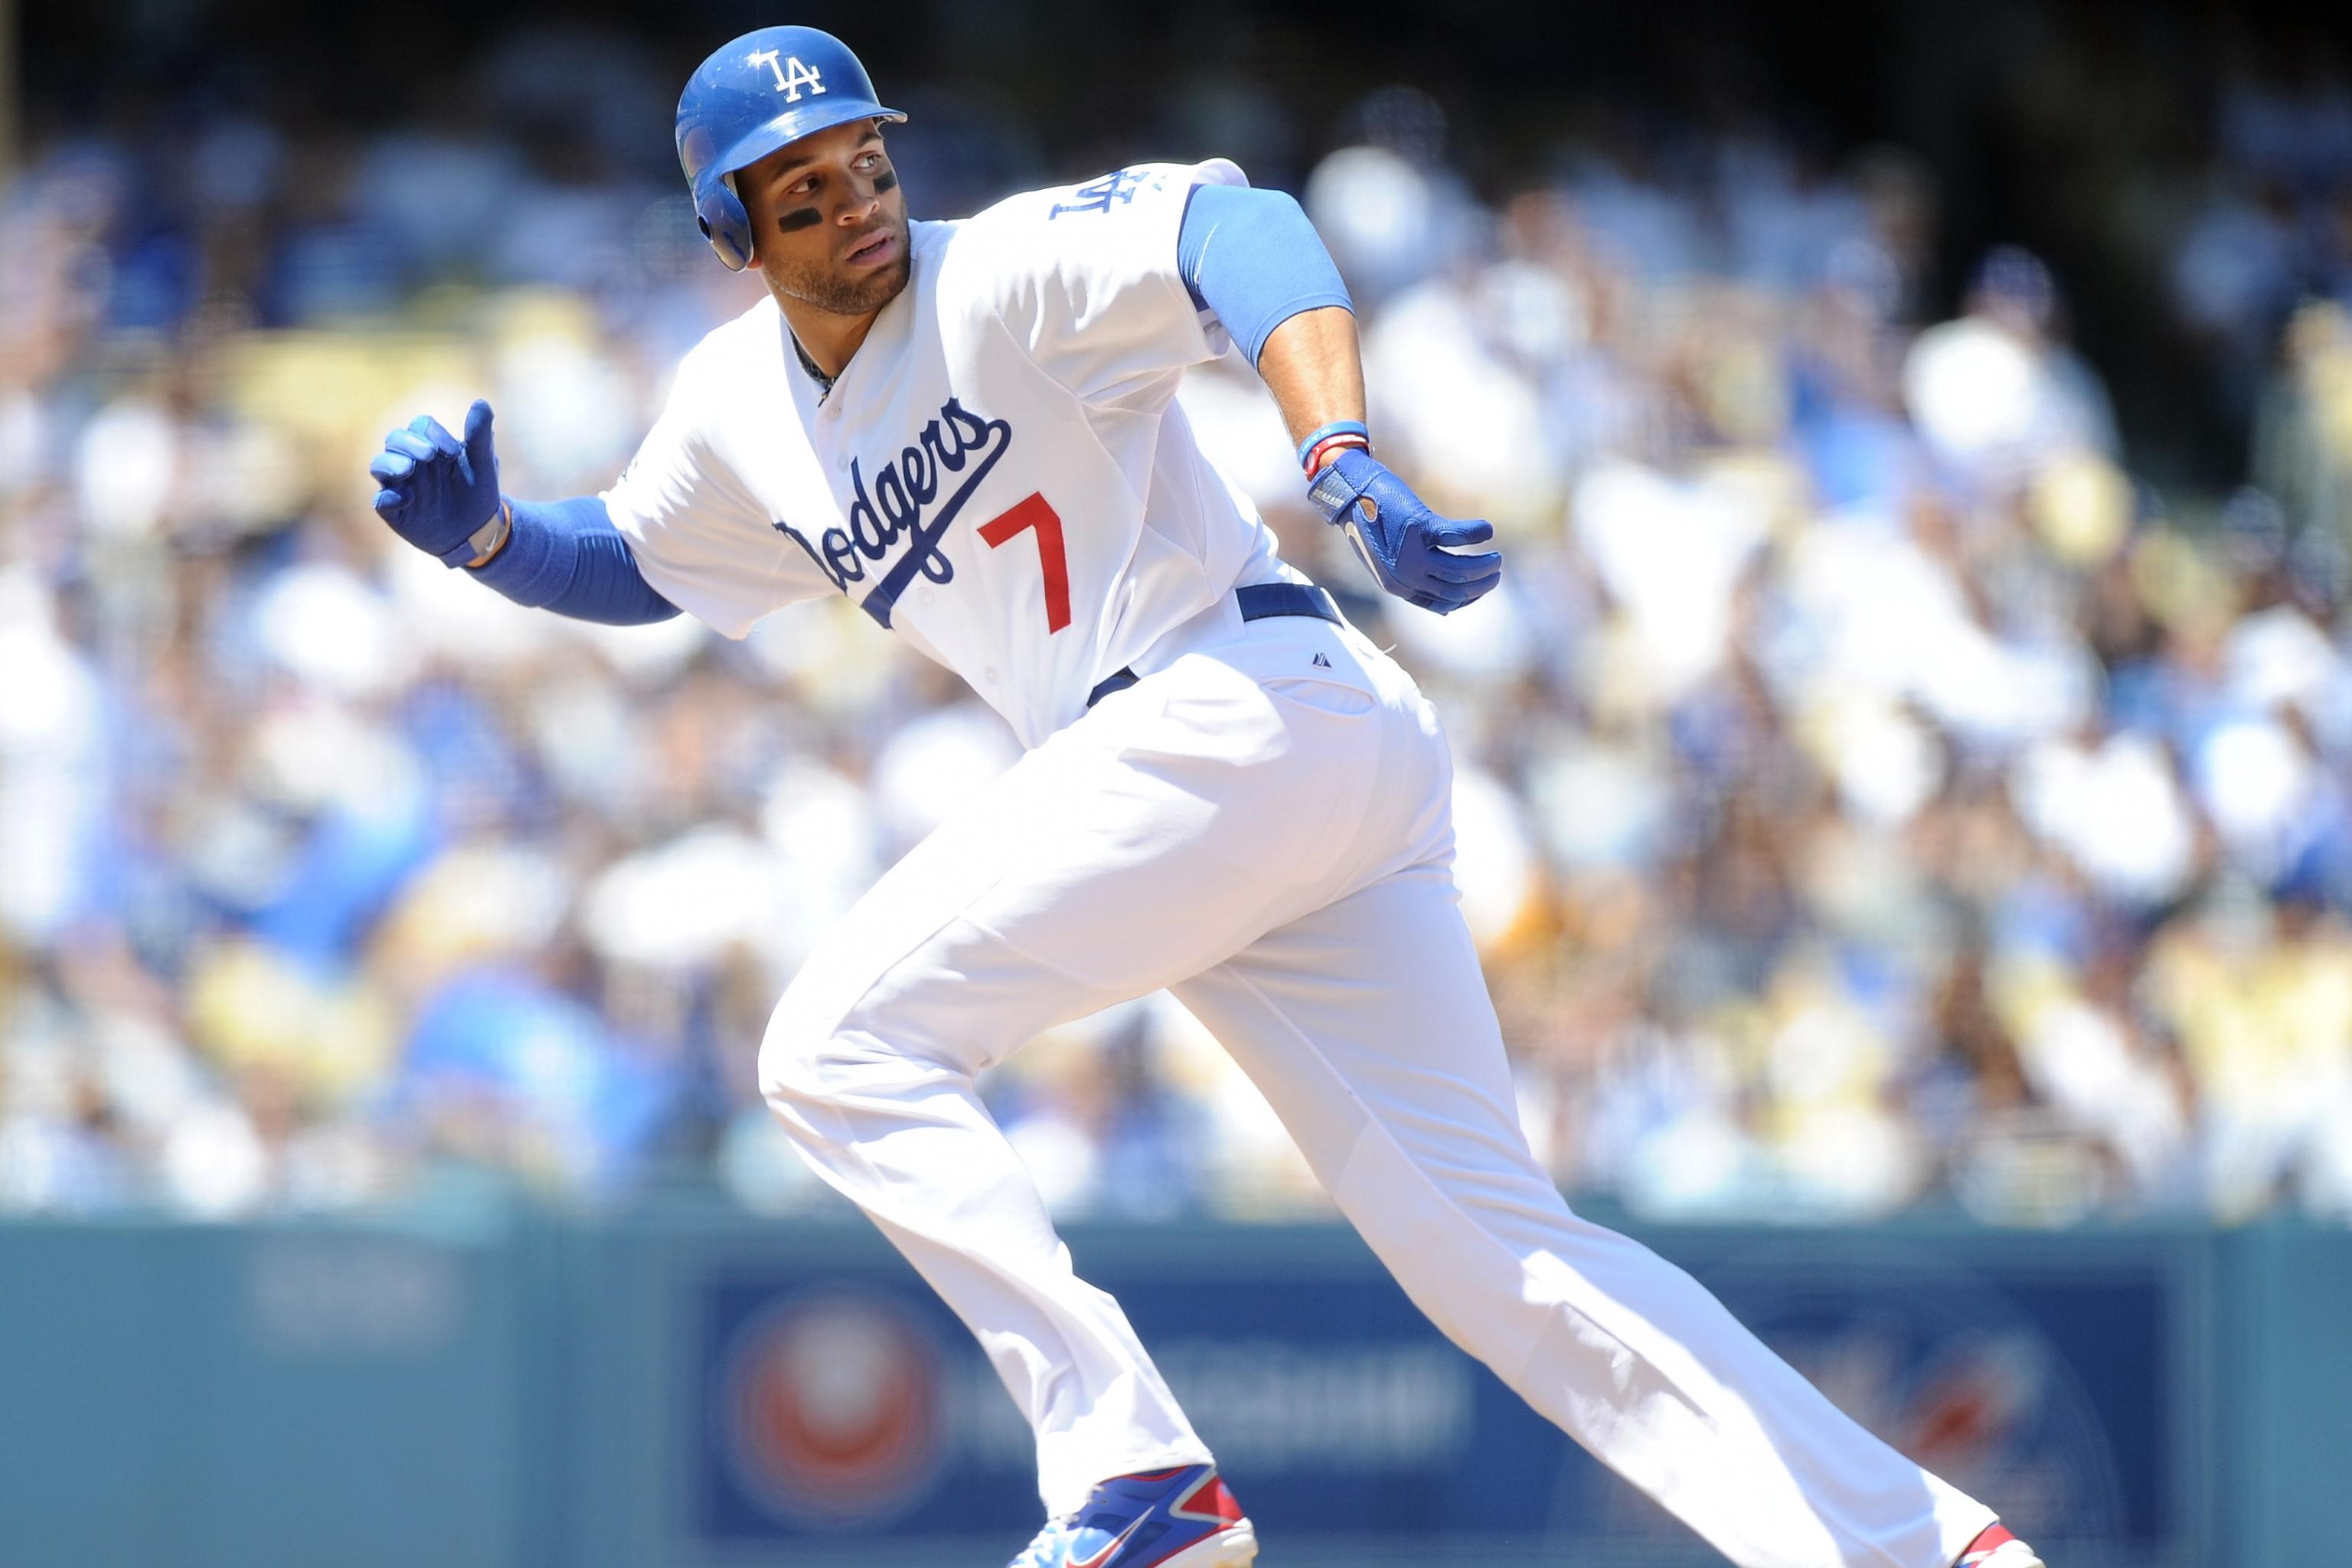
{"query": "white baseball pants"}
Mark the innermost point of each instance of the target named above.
(1270, 839)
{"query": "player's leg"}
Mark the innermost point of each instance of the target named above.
(885, 1110)
(1367, 1026)
(1148, 841)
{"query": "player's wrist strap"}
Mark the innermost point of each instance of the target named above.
(488, 539)
(1333, 493)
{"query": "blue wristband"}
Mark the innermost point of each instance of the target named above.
(1337, 427)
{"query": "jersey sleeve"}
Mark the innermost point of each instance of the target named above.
(697, 534)
(1086, 276)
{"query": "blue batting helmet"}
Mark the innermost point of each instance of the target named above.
(767, 87)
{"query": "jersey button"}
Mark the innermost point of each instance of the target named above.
(925, 595)
(989, 675)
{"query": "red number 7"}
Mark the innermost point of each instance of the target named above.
(1034, 513)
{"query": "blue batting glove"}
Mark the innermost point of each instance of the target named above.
(1408, 546)
(437, 490)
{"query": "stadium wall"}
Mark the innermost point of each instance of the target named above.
(695, 1388)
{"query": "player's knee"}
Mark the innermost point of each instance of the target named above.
(793, 1056)
(813, 1054)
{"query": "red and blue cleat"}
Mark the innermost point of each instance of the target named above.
(1182, 1518)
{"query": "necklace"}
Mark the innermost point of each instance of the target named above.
(824, 382)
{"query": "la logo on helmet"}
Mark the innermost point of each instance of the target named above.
(788, 82)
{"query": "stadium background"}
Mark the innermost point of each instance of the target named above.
(1906, 797)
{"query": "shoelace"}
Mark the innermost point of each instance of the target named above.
(1046, 1551)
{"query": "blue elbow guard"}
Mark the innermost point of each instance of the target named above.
(1251, 256)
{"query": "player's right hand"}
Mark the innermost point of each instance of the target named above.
(438, 491)
(1409, 547)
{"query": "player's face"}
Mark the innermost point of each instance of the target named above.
(829, 221)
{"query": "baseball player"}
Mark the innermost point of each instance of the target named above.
(969, 428)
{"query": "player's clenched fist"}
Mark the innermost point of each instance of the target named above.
(438, 492)
(1408, 546)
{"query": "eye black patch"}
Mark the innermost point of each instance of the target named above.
(800, 219)
(886, 182)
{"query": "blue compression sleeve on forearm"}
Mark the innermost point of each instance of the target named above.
(1251, 256)
(567, 556)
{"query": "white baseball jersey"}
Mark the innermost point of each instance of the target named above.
(1001, 475)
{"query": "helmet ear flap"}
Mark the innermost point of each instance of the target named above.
(724, 223)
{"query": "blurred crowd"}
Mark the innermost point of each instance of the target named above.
(2268, 225)
(1870, 795)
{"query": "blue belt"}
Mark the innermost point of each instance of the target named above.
(1259, 602)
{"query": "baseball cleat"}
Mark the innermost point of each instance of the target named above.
(1182, 1518)
(1995, 1547)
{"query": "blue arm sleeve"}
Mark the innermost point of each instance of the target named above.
(567, 556)
(1251, 256)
